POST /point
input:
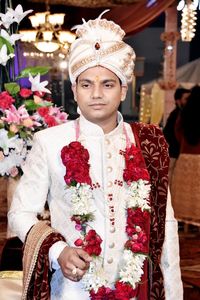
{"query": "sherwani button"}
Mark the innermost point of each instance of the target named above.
(112, 229)
(109, 169)
(110, 183)
(107, 141)
(108, 155)
(110, 260)
(111, 245)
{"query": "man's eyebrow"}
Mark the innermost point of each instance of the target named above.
(91, 81)
(85, 80)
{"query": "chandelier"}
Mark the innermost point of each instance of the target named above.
(48, 35)
(188, 20)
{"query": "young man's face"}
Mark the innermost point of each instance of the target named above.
(98, 93)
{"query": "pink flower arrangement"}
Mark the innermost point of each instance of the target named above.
(23, 111)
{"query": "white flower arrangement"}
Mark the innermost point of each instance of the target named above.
(95, 277)
(132, 269)
(81, 199)
(138, 193)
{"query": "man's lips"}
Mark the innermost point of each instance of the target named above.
(97, 105)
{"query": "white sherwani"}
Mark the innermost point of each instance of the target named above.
(44, 177)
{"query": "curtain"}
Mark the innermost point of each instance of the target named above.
(133, 18)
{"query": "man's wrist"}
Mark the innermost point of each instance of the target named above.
(54, 253)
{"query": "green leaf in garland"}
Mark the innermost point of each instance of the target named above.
(31, 105)
(10, 48)
(12, 88)
(11, 134)
(22, 134)
(33, 71)
(45, 104)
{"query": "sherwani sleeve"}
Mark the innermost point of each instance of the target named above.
(31, 192)
(170, 259)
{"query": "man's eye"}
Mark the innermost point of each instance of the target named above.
(85, 85)
(108, 85)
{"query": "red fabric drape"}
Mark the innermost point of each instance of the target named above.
(133, 18)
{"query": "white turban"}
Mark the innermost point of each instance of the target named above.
(100, 43)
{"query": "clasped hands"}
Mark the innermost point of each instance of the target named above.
(74, 262)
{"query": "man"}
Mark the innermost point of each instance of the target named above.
(106, 185)
(181, 95)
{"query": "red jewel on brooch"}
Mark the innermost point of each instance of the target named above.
(97, 46)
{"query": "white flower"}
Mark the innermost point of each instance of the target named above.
(4, 57)
(6, 142)
(14, 159)
(81, 200)
(36, 85)
(10, 38)
(7, 19)
(95, 277)
(138, 194)
(18, 13)
(132, 269)
(14, 150)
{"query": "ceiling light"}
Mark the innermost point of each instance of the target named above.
(48, 35)
(188, 22)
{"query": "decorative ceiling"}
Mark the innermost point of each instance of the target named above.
(91, 3)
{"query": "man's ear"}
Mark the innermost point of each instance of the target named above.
(124, 92)
(74, 91)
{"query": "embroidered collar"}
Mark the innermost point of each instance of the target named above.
(90, 129)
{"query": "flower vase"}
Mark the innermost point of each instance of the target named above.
(11, 187)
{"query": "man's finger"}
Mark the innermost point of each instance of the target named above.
(84, 255)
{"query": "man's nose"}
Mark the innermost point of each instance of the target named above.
(97, 91)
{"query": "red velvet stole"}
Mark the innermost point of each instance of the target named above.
(155, 152)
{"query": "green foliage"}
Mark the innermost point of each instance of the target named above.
(31, 105)
(10, 48)
(33, 71)
(12, 88)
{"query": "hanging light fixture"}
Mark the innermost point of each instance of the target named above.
(188, 20)
(48, 35)
(182, 3)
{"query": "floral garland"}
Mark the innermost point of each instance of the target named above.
(76, 160)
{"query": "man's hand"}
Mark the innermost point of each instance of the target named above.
(76, 260)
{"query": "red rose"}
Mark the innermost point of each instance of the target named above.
(50, 121)
(43, 111)
(92, 243)
(137, 217)
(76, 147)
(103, 293)
(78, 242)
(25, 93)
(124, 291)
(133, 155)
(135, 166)
(6, 100)
(75, 158)
(75, 171)
(138, 243)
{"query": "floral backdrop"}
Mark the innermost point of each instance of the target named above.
(24, 110)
